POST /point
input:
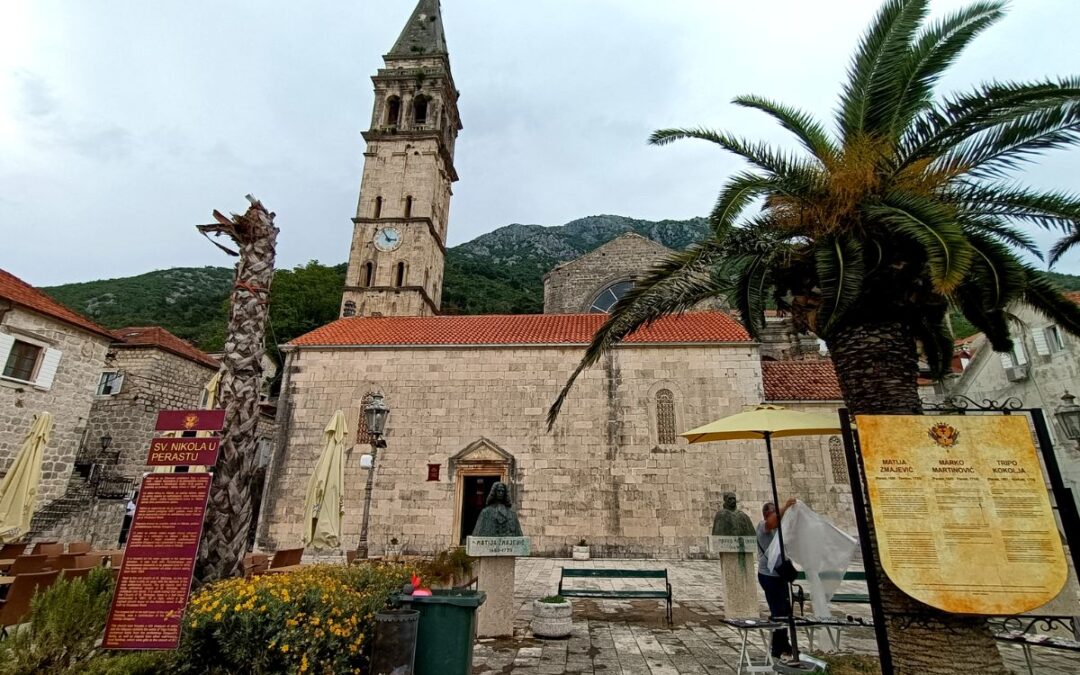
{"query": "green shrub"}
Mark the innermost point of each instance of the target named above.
(129, 663)
(553, 600)
(318, 619)
(65, 621)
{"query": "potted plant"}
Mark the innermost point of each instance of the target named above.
(552, 617)
(393, 549)
(581, 551)
(447, 569)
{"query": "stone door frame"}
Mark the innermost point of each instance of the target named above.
(480, 458)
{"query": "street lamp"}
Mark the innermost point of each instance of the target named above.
(1068, 416)
(106, 441)
(375, 413)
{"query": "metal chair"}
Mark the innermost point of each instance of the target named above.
(17, 604)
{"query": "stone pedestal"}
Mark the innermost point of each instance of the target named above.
(495, 576)
(740, 585)
(739, 569)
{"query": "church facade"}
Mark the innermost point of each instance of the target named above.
(469, 394)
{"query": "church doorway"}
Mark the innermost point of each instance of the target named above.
(474, 493)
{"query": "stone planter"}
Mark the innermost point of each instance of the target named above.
(581, 553)
(552, 619)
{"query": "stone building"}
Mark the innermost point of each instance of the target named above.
(51, 359)
(1044, 364)
(148, 369)
(469, 394)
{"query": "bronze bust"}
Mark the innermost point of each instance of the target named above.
(498, 519)
(731, 522)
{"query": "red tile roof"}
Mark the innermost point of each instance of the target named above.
(17, 291)
(1074, 296)
(800, 381)
(156, 336)
(517, 329)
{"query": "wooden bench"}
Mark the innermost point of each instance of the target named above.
(1027, 639)
(664, 594)
(840, 598)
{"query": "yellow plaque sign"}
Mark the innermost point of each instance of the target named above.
(961, 511)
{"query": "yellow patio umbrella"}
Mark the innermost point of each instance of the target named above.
(211, 400)
(19, 489)
(767, 422)
(324, 505)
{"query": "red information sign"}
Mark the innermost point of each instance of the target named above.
(190, 420)
(184, 451)
(155, 578)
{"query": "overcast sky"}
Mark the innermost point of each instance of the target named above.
(123, 123)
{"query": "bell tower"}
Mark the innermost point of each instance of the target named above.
(399, 234)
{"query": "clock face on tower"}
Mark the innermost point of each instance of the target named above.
(387, 239)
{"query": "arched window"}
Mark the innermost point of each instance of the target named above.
(399, 275)
(838, 460)
(349, 309)
(378, 207)
(368, 277)
(607, 298)
(393, 111)
(665, 417)
(408, 207)
(420, 107)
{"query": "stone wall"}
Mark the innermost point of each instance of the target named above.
(154, 380)
(571, 287)
(68, 399)
(601, 474)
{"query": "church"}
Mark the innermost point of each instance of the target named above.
(469, 394)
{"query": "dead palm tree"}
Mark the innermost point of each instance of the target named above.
(870, 236)
(228, 516)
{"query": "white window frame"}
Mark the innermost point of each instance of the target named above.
(48, 360)
(118, 383)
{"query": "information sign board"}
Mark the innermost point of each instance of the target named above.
(155, 577)
(961, 511)
(184, 451)
(190, 420)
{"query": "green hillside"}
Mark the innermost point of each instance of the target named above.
(497, 273)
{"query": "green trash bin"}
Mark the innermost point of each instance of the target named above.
(444, 642)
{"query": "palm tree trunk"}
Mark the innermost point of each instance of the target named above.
(228, 516)
(877, 365)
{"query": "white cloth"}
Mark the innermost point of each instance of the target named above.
(820, 548)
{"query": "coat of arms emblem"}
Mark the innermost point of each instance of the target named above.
(191, 421)
(944, 434)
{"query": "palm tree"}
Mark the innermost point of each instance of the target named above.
(228, 516)
(869, 236)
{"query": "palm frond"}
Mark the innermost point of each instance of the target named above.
(1054, 209)
(1064, 245)
(747, 288)
(934, 228)
(934, 50)
(938, 129)
(736, 195)
(758, 154)
(674, 285)
(1004, 147)
(840, 271)
(809, 132)
(999, 230)
(873, 84)
(1047, 298)
(997, 277)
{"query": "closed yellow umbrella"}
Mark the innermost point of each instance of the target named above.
(324, 505)
(19, 490)
(768, 422)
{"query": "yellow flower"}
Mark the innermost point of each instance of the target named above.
(285, 648)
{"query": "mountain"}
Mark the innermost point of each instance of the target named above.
(497, 273)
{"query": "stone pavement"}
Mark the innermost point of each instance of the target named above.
(631, 637)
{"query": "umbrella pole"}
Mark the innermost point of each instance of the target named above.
(780, 534)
